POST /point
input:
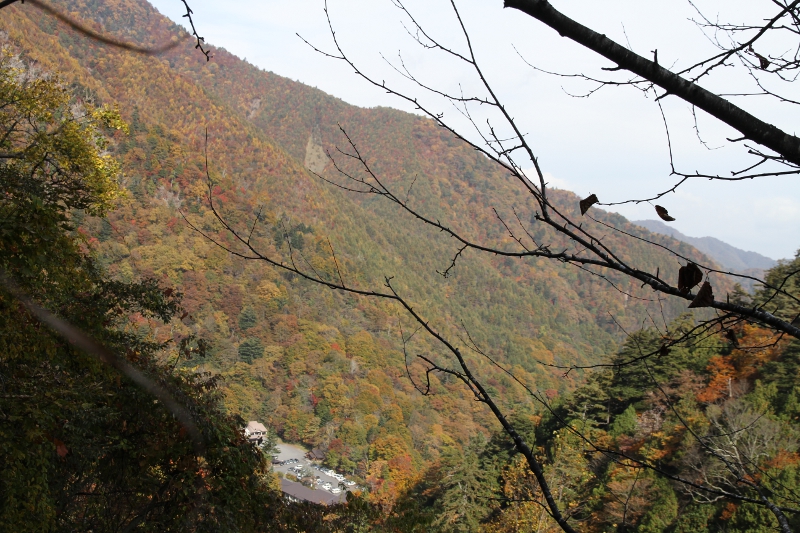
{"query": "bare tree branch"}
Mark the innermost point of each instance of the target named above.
(784, 144)
(110, 41)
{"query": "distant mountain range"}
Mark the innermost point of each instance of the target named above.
(726, 255)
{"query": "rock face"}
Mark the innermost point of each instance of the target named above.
(315, 159)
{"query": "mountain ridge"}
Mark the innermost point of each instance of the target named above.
(727, 255)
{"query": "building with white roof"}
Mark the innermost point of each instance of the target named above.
(255, 432)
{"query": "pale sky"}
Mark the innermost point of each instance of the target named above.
(612, 143)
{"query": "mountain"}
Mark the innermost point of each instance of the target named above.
(323, 368)
(723, 253)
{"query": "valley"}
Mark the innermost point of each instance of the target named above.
(221, 145)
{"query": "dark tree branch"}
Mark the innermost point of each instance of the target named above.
(110, 41)
(786, 145)
(95, 36)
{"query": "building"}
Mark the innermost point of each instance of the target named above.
(256, 433)
(316, 454)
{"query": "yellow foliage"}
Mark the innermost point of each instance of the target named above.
(267, 291)
(56, 140)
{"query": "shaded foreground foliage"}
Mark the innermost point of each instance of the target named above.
(82, 448)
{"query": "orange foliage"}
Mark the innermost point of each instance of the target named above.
(756, 346)
(722, 373)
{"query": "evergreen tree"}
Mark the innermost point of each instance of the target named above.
(251, 349)
(462, 504)
(625, 423)
(247, 318)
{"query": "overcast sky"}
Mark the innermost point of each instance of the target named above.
(612, 143)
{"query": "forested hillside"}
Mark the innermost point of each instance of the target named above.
(638, 447)
(323, 368)
(685, 441)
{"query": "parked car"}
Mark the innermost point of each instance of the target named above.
(349, 483)
(336, 490)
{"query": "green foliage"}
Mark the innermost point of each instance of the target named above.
(461, 504)
(251, 349)
(695, 518)
(105, 230)
(786, 277)
(247, 318)
(292, 235)
(663, 511)
(625, 423)
(784, 376)
(61, 143)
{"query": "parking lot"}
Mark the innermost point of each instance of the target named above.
(291, 460)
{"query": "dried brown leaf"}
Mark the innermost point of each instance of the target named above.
(704, 298)
(664, 214)
(588, 202)
(688, 277)
(731, 336)
(61, 448)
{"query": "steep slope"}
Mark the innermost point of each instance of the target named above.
(325, 368)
